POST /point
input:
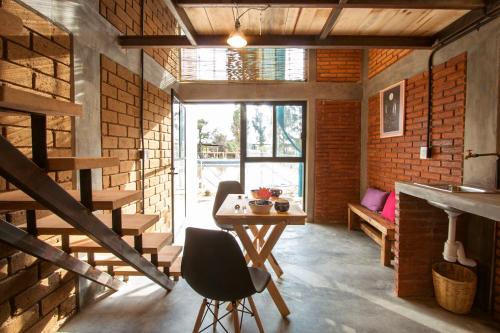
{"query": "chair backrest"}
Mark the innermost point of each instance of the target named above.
(214, 266)
(225, 188)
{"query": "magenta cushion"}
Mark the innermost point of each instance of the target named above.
(389, 210)
(374, 199)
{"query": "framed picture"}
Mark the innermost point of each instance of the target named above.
(392, 110)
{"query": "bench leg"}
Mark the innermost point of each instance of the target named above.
(385, 251)
(352, 220)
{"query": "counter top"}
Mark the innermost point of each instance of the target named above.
(481, 204)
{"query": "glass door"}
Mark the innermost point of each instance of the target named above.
(178, 168)
(273, 147)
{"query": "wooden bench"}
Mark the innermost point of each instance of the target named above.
(381, 230)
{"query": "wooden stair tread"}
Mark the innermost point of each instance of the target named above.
(105, 200)
(166, 257)
(11, 24)
(132, 224)
(22, 101)
(175, 269)
(80, 163)
(151, 243)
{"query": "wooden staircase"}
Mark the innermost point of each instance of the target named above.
(118, 242)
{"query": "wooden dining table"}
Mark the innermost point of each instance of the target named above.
(258, 249)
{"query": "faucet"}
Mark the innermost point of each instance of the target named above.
(470, 154)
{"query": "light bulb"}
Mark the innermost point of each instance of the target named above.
(237, 39)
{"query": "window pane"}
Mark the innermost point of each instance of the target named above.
(259, 130)
(289, 177)
(246, 64)
(289, 130)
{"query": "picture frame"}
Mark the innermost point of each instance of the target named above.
(392, 110)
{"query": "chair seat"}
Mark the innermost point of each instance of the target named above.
(260, 278)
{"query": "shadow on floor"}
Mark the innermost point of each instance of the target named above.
(333, 282)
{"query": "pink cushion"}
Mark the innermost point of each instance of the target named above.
(389, 210)
(374, 199)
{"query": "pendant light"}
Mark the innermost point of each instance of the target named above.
(237, 37)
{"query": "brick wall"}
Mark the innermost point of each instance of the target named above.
(380, 59)
(120, 118)
(126, 17)
(338, 65)
(421, 231)
(397, 158)
(337, 159)
(34, 294)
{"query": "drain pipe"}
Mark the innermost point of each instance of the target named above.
(476, 25)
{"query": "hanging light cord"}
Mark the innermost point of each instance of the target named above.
(238, 16)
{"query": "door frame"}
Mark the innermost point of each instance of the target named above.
(174, 96)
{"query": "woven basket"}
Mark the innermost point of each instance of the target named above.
(454, 286)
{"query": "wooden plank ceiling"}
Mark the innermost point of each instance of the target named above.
(322, 23)
(310, 21)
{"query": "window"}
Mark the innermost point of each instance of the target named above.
(217, 64)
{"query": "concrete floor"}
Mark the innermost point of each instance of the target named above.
(333, 282)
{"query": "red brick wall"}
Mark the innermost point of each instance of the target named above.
(397, 158)
(337, 158)
(34, 294)
(421, 231)
(126, 17)
(380, 59)
(120, 119)
(338, 65)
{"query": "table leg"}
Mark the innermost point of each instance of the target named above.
(258, 259)
(260, 236)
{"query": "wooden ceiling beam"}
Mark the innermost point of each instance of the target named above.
(396, 4)
(280, 41)
(472, 18)
(183, 20)
(332, 20)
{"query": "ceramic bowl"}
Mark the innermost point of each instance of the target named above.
(282, 205)
(260, 206)
(256, 195)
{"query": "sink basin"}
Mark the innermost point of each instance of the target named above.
(458, 188)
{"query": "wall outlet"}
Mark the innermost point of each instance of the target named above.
(424, 153)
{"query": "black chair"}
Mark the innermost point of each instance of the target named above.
(214, 266)
(225, 188)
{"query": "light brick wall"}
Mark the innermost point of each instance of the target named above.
(35, 295)
(338, 65)
(380, 59)
(397, 158)
(120, 118)
(337, 159)
(126, 17)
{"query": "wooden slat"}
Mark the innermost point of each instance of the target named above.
(403, 22)
(132, 224)
(79, 163)
(11, 24)
(425, 4)
(175, 269)
(166, 257)
(373, 218)
(372, 233)
(280, 41)
(107, 199)
(151, 243)
(26, 102)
